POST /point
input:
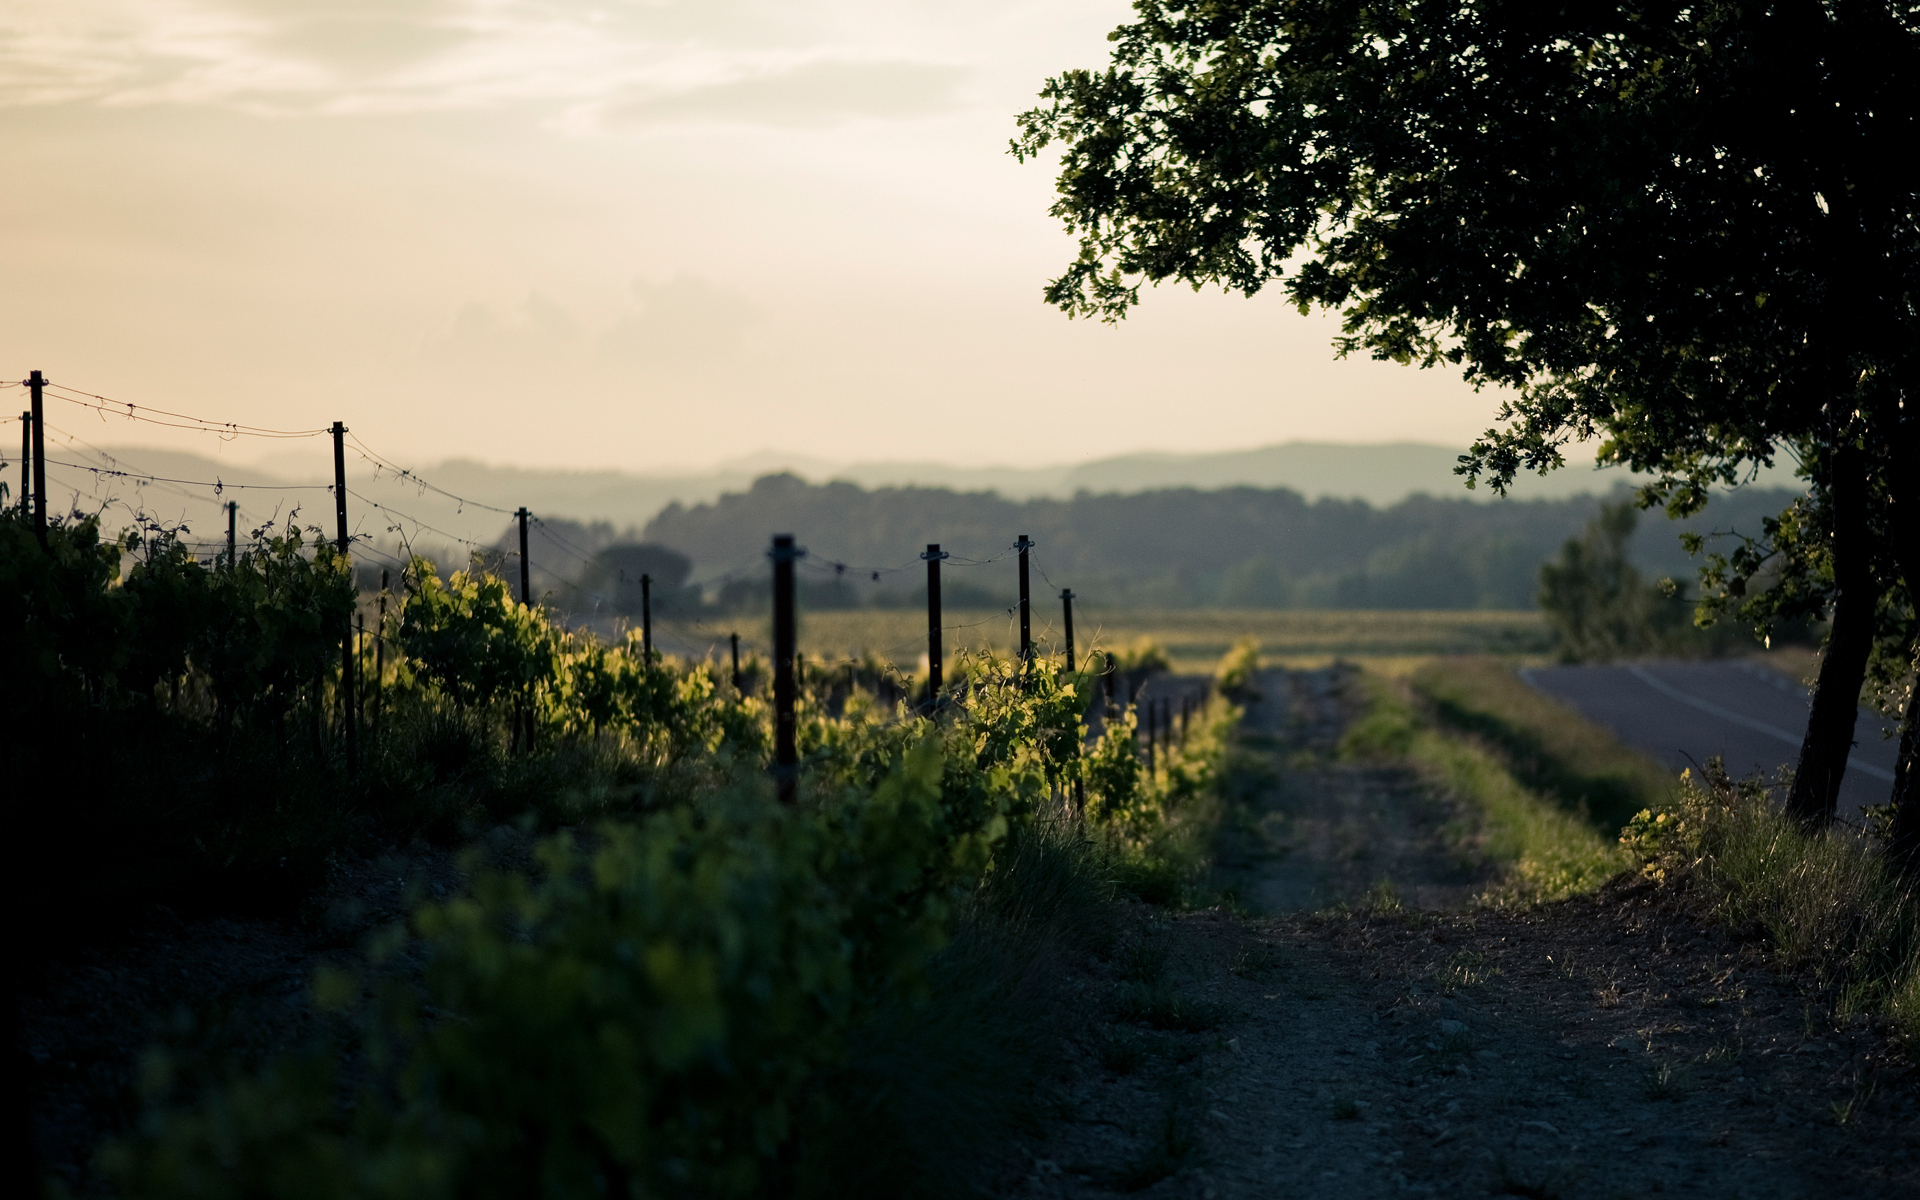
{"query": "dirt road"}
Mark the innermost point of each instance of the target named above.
(1611, 1046)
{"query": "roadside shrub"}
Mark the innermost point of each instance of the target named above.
(1827, 899)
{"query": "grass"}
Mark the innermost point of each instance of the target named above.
(1548, 849)
(1828, 900)
(1194, 639)
(1547, 747)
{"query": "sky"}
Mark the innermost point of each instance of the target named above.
(650, 235)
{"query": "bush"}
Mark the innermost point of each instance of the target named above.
(1827, 900)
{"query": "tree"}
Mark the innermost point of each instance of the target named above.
(1599, 606)
(1686, 230)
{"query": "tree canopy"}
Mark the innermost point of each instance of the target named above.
(1687, 230)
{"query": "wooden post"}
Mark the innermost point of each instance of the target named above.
(786, 760)
(933, 556)
(380, 658)
(1026, 605)
(35, 383)
(26, 465)
(737, 679)
(526, 581)
(1079, 785)
(233, 554)
(1066, 606)
(646, 619)
(346, 634)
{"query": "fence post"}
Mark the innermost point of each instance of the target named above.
(35, 383)
(346, 635)
(26, 465)
(380, 658)
(1026, 605)
(233, 554)
(738, 690)
(786, 761)
(646, 619)
(526, 582)
(1079, 786)
(1113, 667)
(1066, 606)
(933, 556)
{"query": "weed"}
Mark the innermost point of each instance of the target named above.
(1257, 961)
(1666, 1080)
(1566, 965)
(1846, 1112)
(1607, 995)
(1161, 1006)
(1382, 898)
(1144, 960)
(1827, 899)
(1464, 969)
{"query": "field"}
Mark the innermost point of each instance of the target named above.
(1193, 638)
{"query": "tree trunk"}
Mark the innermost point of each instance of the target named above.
(1904, 847)
(1836, 695)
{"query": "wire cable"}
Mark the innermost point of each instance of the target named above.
(227, 429)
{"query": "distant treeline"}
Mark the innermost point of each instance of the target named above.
(1177, 548)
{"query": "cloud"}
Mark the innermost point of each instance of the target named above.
(634, 65)
(682, 322)
(811, 94)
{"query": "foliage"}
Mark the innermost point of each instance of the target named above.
(700, 995)
(1571, 203)
(471, 638)
(1238, 671)
(1828, 899)
(1600, 607)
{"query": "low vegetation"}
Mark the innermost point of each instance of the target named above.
(1829, 900)
(1548, 842)
(658, 978)
(1547, 747)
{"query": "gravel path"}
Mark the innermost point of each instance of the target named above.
(1612, 1046)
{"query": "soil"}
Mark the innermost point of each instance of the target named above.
(1615, 1045)
(217, 991)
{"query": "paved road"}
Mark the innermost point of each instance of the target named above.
(1682, 712)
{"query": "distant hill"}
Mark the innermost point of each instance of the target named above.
(1294, 524)
(1180, 547)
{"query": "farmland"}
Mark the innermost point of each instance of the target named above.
(1194, 639)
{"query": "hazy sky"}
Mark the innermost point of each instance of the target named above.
(646, 234)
